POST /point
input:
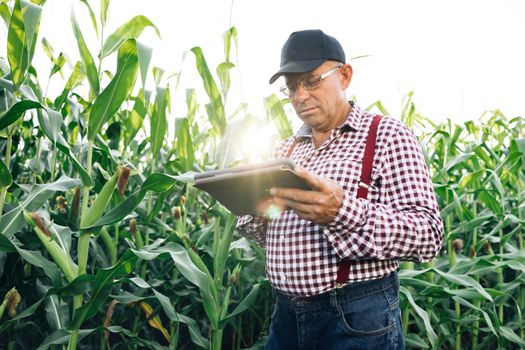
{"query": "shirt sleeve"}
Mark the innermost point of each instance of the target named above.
(405, 223)
(254, 227)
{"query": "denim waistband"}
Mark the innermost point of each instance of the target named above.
(349, 292)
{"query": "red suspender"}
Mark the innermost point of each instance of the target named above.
(290, 150)
(364, 185)
(362, 192)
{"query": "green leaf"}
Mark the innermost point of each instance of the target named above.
(144, 54)
(5, 13)
(17, 111)
(466, 281)
(104, 5)
(91, 15)
(491, 202)
(57, 311)
(432, 337)
(104, 281)
(39, 194)
(185, 151)
(21, 38)
(85, 56)
(131, 29)
(110, 100)
(193, 274)
(58, 64)
(75, 78)
(48, 49)
(159, 121)
(215, 108)
(486, 316)
(274, 108)
(510, 335)
(26, 313)
(5, 175)
(245, 303)
(50, 122)
(135, 120)
(223, 72)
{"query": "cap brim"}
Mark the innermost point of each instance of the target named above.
(298, 67)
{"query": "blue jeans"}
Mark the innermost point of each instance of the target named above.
(363, 315)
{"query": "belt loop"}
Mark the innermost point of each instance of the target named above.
(333, 297)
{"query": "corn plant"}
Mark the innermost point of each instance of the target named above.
(105, 243)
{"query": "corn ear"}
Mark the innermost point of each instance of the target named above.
(154, 322)
(101, 202)
(11, 300)
(59, 255)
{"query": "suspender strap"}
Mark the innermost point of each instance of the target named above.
(364, 185)
(290, 150)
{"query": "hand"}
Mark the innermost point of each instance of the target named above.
(319, 205)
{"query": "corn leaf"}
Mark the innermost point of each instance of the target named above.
(17, 111)
(131, 29)
(159, 121)
(5, 175)
(21, 38)
(104, 281)
(85, 56)
(144, 54)
(432, 337)
(110, 100)
(274, 108)
(13, 220)
(91, 15)
(215, 109)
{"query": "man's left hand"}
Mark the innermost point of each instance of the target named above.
(319, 205)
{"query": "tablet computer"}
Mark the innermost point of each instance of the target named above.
(240, 189)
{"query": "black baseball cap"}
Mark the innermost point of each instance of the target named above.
(306, 50)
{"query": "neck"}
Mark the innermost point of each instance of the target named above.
(321, 135)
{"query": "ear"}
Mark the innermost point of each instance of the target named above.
(346, 73)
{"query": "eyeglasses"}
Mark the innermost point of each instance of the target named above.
(310, 83)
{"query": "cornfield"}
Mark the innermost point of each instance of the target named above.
(105, 243)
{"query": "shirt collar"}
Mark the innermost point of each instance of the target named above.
(351, 123)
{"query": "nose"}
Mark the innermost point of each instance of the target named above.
(301, 93)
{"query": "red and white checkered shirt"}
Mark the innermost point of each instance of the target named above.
(398, 221)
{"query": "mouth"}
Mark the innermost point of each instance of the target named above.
(307, 110)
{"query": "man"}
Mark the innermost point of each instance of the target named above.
(332, 253)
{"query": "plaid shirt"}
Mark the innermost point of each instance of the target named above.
(398, 221)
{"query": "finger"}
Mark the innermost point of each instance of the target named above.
(312, 179)
(295, 195)
(316, 182)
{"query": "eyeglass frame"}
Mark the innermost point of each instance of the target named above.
(318, 80)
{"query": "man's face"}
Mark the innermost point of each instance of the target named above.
(322, 107)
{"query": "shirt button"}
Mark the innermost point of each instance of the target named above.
(283, 277)
(281, 238)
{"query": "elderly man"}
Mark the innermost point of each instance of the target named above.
(332, 253)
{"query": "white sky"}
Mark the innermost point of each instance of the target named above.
(460, 58)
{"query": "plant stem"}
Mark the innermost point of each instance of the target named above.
(500, 277)
(216, 339)
(477, 302)
(110, 245)
(406, 265)
(37, 160)
(7, 163)
(452, 262)
(53, 162)
(83, 247)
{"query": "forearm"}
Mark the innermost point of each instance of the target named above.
(253, 228)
